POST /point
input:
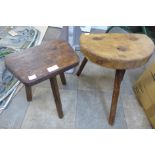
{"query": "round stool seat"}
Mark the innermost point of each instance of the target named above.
(118, 51)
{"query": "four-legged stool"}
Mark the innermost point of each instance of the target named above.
(43, 62)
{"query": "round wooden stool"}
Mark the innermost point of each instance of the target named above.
(117, 51)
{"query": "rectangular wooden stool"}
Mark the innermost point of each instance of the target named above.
(43, 62)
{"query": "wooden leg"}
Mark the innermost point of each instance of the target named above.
(118, 78)
(82, 66)
(63, 79)
(28, 93)
(56, 95)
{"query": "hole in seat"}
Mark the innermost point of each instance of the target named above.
(133, 38)
(98, 38)
(122, 48)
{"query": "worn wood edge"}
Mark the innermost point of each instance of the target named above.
(117, 63)
(33, 82)
(58, 71)
(121, 65)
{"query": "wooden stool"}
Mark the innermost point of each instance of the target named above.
(117, 51)
(43, 62)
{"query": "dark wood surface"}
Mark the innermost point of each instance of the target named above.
(55, 89)
(28, 91)
(37, 59)
(82, 66)
(63, 79)
(117, 83)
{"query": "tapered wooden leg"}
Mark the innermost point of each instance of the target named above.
(28, 93)
(63, 79)
(56, 95)
(82, 66)
(118, 78)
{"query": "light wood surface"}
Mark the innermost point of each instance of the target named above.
(118, 51)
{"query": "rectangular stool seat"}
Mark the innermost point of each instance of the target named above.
(42, 62)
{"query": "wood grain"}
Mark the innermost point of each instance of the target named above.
(37, 59)
(56, 94)
(118, 51)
